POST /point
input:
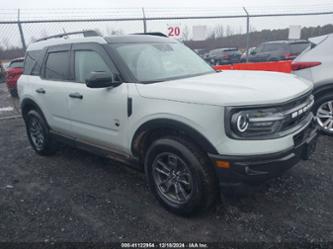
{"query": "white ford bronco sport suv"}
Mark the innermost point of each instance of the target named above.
(152, 102)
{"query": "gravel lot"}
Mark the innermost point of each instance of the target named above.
(76, 196)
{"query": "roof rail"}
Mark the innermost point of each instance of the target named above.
(151, 33)
(86, 33)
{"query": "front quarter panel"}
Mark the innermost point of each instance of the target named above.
(205, 119)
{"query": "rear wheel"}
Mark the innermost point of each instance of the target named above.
(324, 113)
(180, 176)
(38, 134)
(13, 92)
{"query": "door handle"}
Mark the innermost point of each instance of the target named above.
(40, 90)
(76, 95)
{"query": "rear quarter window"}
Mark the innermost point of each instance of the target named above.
(297, 48)
(273, 47)
(32, 62)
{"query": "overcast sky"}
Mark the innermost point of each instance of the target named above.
(151, 3)
(104, 9)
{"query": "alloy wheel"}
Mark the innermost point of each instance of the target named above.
(325, 116)
(172, 178)
(36, 133)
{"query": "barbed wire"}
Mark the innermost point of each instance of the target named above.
(18, 28)
(96, 13)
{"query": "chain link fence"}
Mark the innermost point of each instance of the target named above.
(18, 28)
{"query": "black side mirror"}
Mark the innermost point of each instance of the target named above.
(101, 79)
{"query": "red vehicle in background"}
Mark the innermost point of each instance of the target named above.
(14, 71)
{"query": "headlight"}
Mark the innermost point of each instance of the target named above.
(249, 123)
(241, 122)
(268, 122)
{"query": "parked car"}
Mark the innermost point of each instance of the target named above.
(153, 103)
(2, 73)
(5, 65)
(244, 55)
(223, 56)
(316, 64)
(14, 71)
(278, 50)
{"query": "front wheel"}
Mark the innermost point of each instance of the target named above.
(180, 176)
(324, 113)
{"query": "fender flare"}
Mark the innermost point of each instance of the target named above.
(163, 123)
(322, 89)
(28, 102)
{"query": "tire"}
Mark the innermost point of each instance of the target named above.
(185, 168)
(38, 134)
(13, 93)
(323, 110)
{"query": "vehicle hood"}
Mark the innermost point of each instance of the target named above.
(229, 88)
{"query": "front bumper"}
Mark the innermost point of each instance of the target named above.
(259, 168)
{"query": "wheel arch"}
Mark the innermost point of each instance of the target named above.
(28, 104)
(156, 128)
(323, 89)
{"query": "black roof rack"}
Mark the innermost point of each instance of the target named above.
(151, 33)
(86, 33)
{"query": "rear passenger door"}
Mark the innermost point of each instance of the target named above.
(53, 91)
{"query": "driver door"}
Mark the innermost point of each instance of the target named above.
(98, 115)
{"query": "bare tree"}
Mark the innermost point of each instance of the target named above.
(252, 28)
(5, 42)
(43, 33)
(111, 31)
(229, 31)
(33, 39)
(240, 31)
(218, 31)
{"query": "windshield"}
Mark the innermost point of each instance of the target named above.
(153, 62)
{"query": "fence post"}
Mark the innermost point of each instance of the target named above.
(21, 30)
(144, 21)
(247, 33)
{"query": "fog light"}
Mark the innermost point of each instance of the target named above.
(222, 164)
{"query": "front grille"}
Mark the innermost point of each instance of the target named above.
(302, 107)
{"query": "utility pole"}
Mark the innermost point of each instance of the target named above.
(144, 21)
(21, 30)
(247, 33)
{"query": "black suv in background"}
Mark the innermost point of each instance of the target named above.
(222, 56)
(278, 50)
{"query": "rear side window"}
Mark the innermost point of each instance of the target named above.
(16, 64)
(32, 62)
(297, 48)
(87, 62)
(57, 66)
(273, 47)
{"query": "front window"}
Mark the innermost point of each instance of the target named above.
(87, 61)
(153, 62)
